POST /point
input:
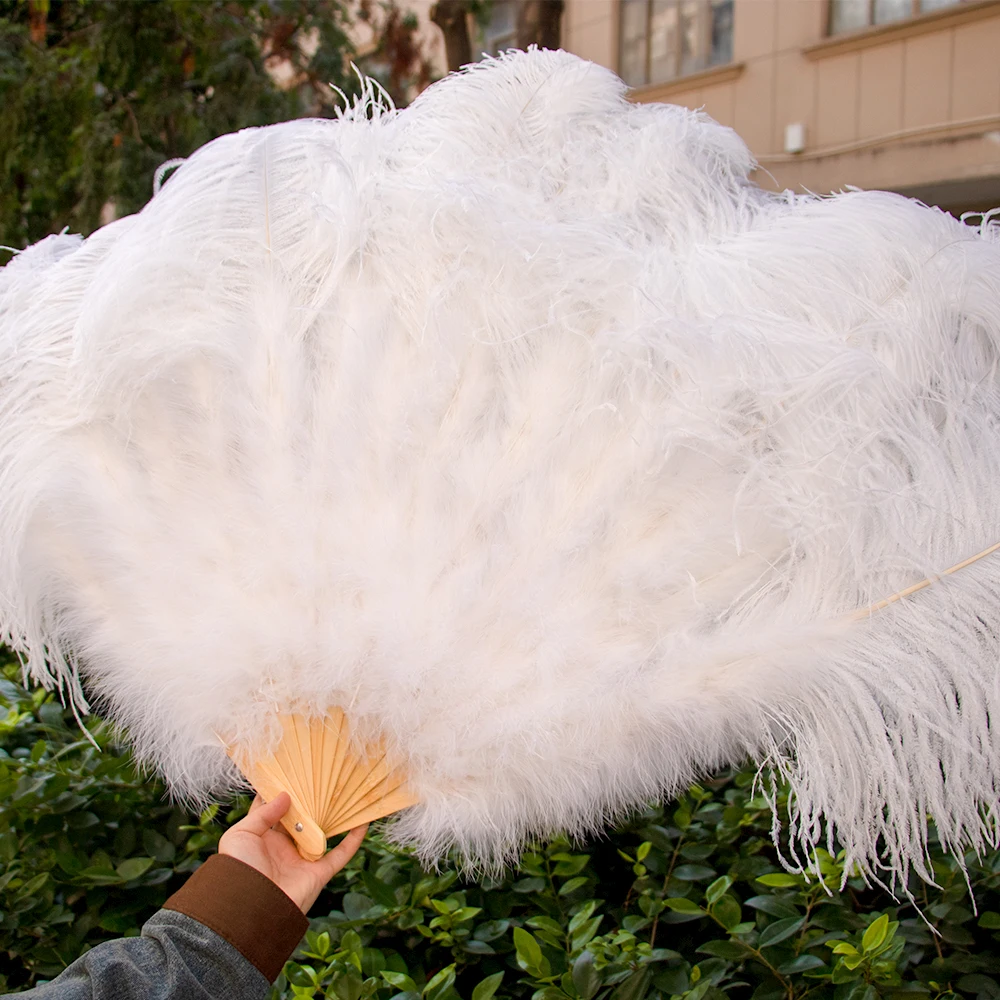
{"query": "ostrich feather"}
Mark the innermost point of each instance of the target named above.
(522, 425)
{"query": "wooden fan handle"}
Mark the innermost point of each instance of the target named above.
(301, 827)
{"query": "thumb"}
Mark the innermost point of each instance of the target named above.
(262, 817)
(334, 860)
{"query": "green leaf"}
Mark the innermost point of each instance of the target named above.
(527, 885)
(693, 873)
(157, 846)
(582, 915)
(585, 932)
(586, 978)
(548, 993)
(31, 887)
(544, 923)
(729, 950)
(485, 988)
(842, 947)
(842, 974)
(572, 885)
(875, 933)
(671, 981)
(351, 942)
(356, 905)
(134, 867)
(569, 864)
(383, 894)
(779, 931)
(99, 875)
(348, 986)
(474, 947)
(990, 920)
(718, 889)
(728, 912)
(635, 987)
(409, 919)
(681, 905)
(399, 980)
(780, 880)
(773, 905)
(439, 984)
(491, 930)
(529, 954)
(802, 963)
(984, 987)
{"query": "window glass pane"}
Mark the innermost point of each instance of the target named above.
(502, 17)
(928, 5)
(663, 41)
(633, 63)
(722, 32)
(633, 14)
(692, 49)
(500, 33)
(887, 11)
(848, 15)
(632, 54)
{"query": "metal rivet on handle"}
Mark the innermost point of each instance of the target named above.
(298, 827)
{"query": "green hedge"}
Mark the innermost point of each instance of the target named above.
(687, 900)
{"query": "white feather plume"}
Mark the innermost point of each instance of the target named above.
(524, 426)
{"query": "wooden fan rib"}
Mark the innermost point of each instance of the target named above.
(340, 760)
(290, 751)
(390, 785)
(368, 775)
(302, 734)
(319, 758)
(400, 799)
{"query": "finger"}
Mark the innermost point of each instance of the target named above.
(334, 860)
(256, 804)
(261, 818)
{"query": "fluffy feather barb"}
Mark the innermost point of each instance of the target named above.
(524, 427)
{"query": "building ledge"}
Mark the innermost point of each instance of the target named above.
(654, 92)
(982, 127)
(937, 20)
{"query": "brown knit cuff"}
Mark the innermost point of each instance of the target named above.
(244, 907)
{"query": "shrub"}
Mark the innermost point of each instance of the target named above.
(687, 900)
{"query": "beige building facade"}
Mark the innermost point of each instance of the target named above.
(902, 95)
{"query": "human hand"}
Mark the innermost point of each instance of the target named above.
(255, 842)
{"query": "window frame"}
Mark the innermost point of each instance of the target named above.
(915, 12)
(703, 33)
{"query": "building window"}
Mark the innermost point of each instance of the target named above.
(500, 32)
(664, 39)
(852, 15)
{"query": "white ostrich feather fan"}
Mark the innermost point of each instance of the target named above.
(524, 429)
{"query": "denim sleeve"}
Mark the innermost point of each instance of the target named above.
(174, 957)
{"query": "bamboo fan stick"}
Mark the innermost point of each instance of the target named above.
(908, 591)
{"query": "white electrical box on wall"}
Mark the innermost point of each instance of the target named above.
(795, 137)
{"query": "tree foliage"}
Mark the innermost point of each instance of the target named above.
(687, 901)
(94, 96)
